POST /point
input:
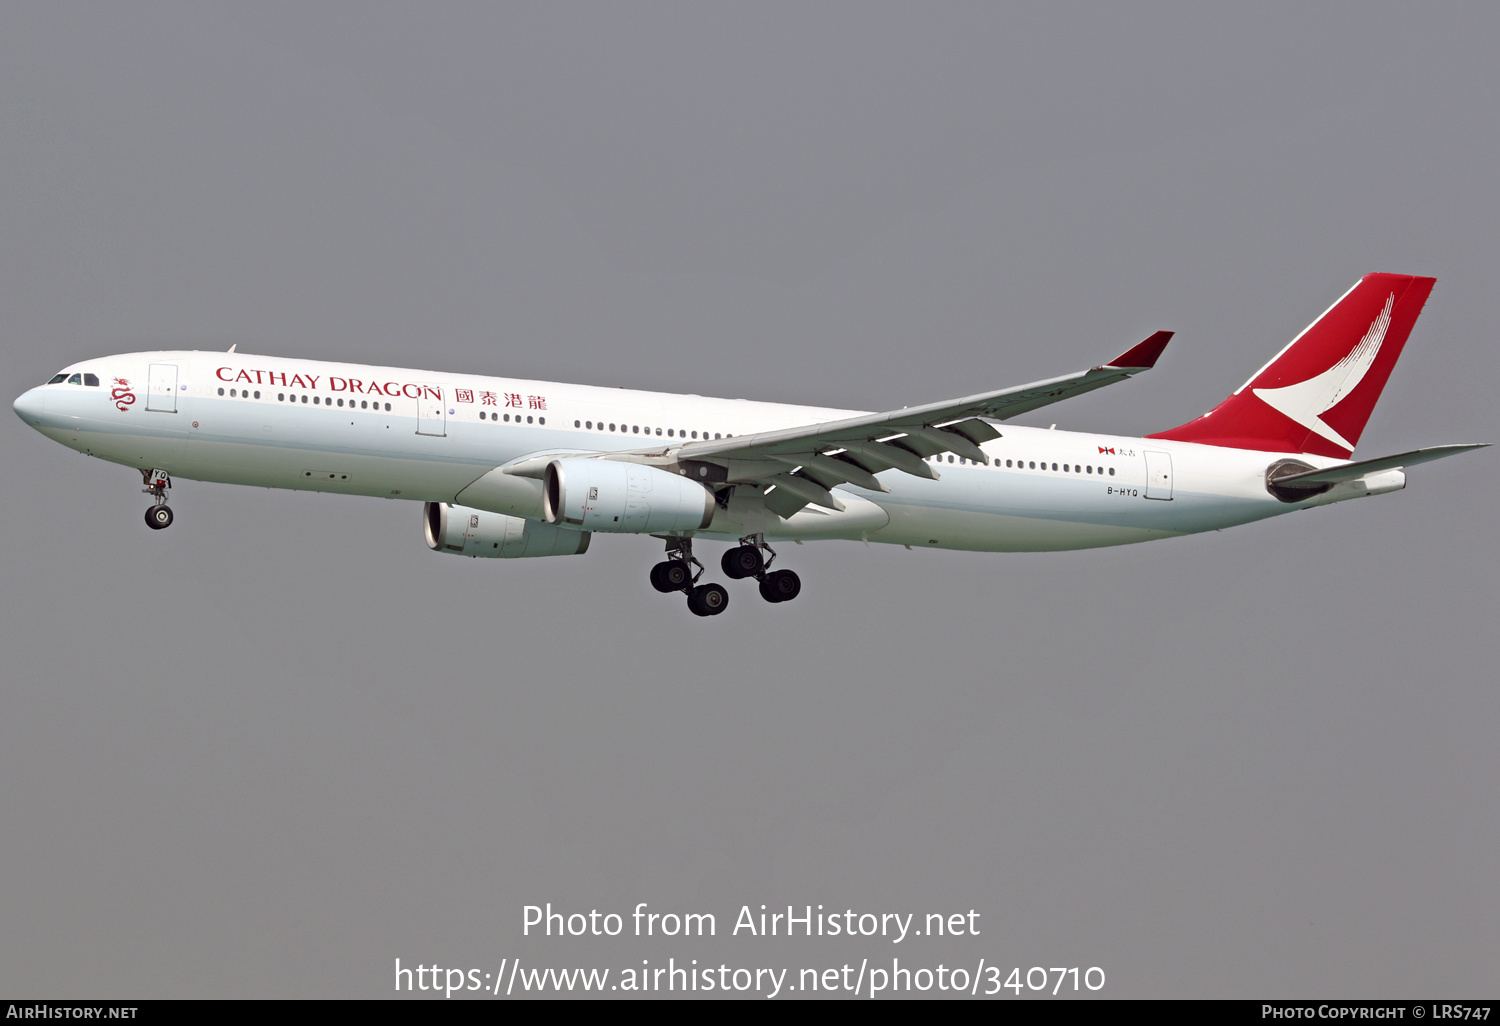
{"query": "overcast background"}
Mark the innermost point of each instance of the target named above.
(269, 751)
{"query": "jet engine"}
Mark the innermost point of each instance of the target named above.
(476, 532)
(628, 498)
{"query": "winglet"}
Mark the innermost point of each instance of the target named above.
(1143, 356)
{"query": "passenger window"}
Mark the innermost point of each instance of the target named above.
(304, 399)
(716, 434)
(575, 423)
(317, 400)
(1033, 466)
(221, 391)
(1007, 463)
(1054, 466)
(257, 395)
(91, 380)
(75, 379)
(1111, 471)
(387, 407)
(540, 420)
(281, 397)
(363, 405)
(528, 420)
(636, 428)
(341, 400)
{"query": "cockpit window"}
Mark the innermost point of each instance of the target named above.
(58, 379)
(75, 379)
(92, 380)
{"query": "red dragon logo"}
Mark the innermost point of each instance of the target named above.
(122, 395)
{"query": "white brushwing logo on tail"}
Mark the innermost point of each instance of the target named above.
(1307, 401)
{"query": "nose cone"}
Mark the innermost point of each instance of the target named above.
(30, 406)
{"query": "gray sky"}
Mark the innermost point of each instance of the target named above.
(273, 749)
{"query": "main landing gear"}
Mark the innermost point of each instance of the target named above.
(748, 560)
(157, 482)
(675, 573)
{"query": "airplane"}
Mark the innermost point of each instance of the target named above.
(510, 468)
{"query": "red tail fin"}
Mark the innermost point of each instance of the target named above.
(1316, 394)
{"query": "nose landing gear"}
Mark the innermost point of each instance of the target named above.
(157, 482)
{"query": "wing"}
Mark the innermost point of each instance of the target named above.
(797, 466)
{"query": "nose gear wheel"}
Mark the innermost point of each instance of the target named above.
(156, 484)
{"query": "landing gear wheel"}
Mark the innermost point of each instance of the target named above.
(741, 562)
(158, 517)
(708, 600)
(670, 575)
(780, 586)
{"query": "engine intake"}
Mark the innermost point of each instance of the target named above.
(477, 532)
(623, 498)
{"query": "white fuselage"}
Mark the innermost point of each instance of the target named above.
(398, 433)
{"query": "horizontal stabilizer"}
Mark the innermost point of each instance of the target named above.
(1355, 471)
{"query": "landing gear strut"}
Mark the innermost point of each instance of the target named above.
(748, 560)
(157, 482)
(675, 573)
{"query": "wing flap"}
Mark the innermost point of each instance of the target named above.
(807, 491)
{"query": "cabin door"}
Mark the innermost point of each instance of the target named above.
(161, 388)
(432, 417)
(1158, 475)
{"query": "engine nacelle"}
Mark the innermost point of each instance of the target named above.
(475, 532)
(627, 498)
